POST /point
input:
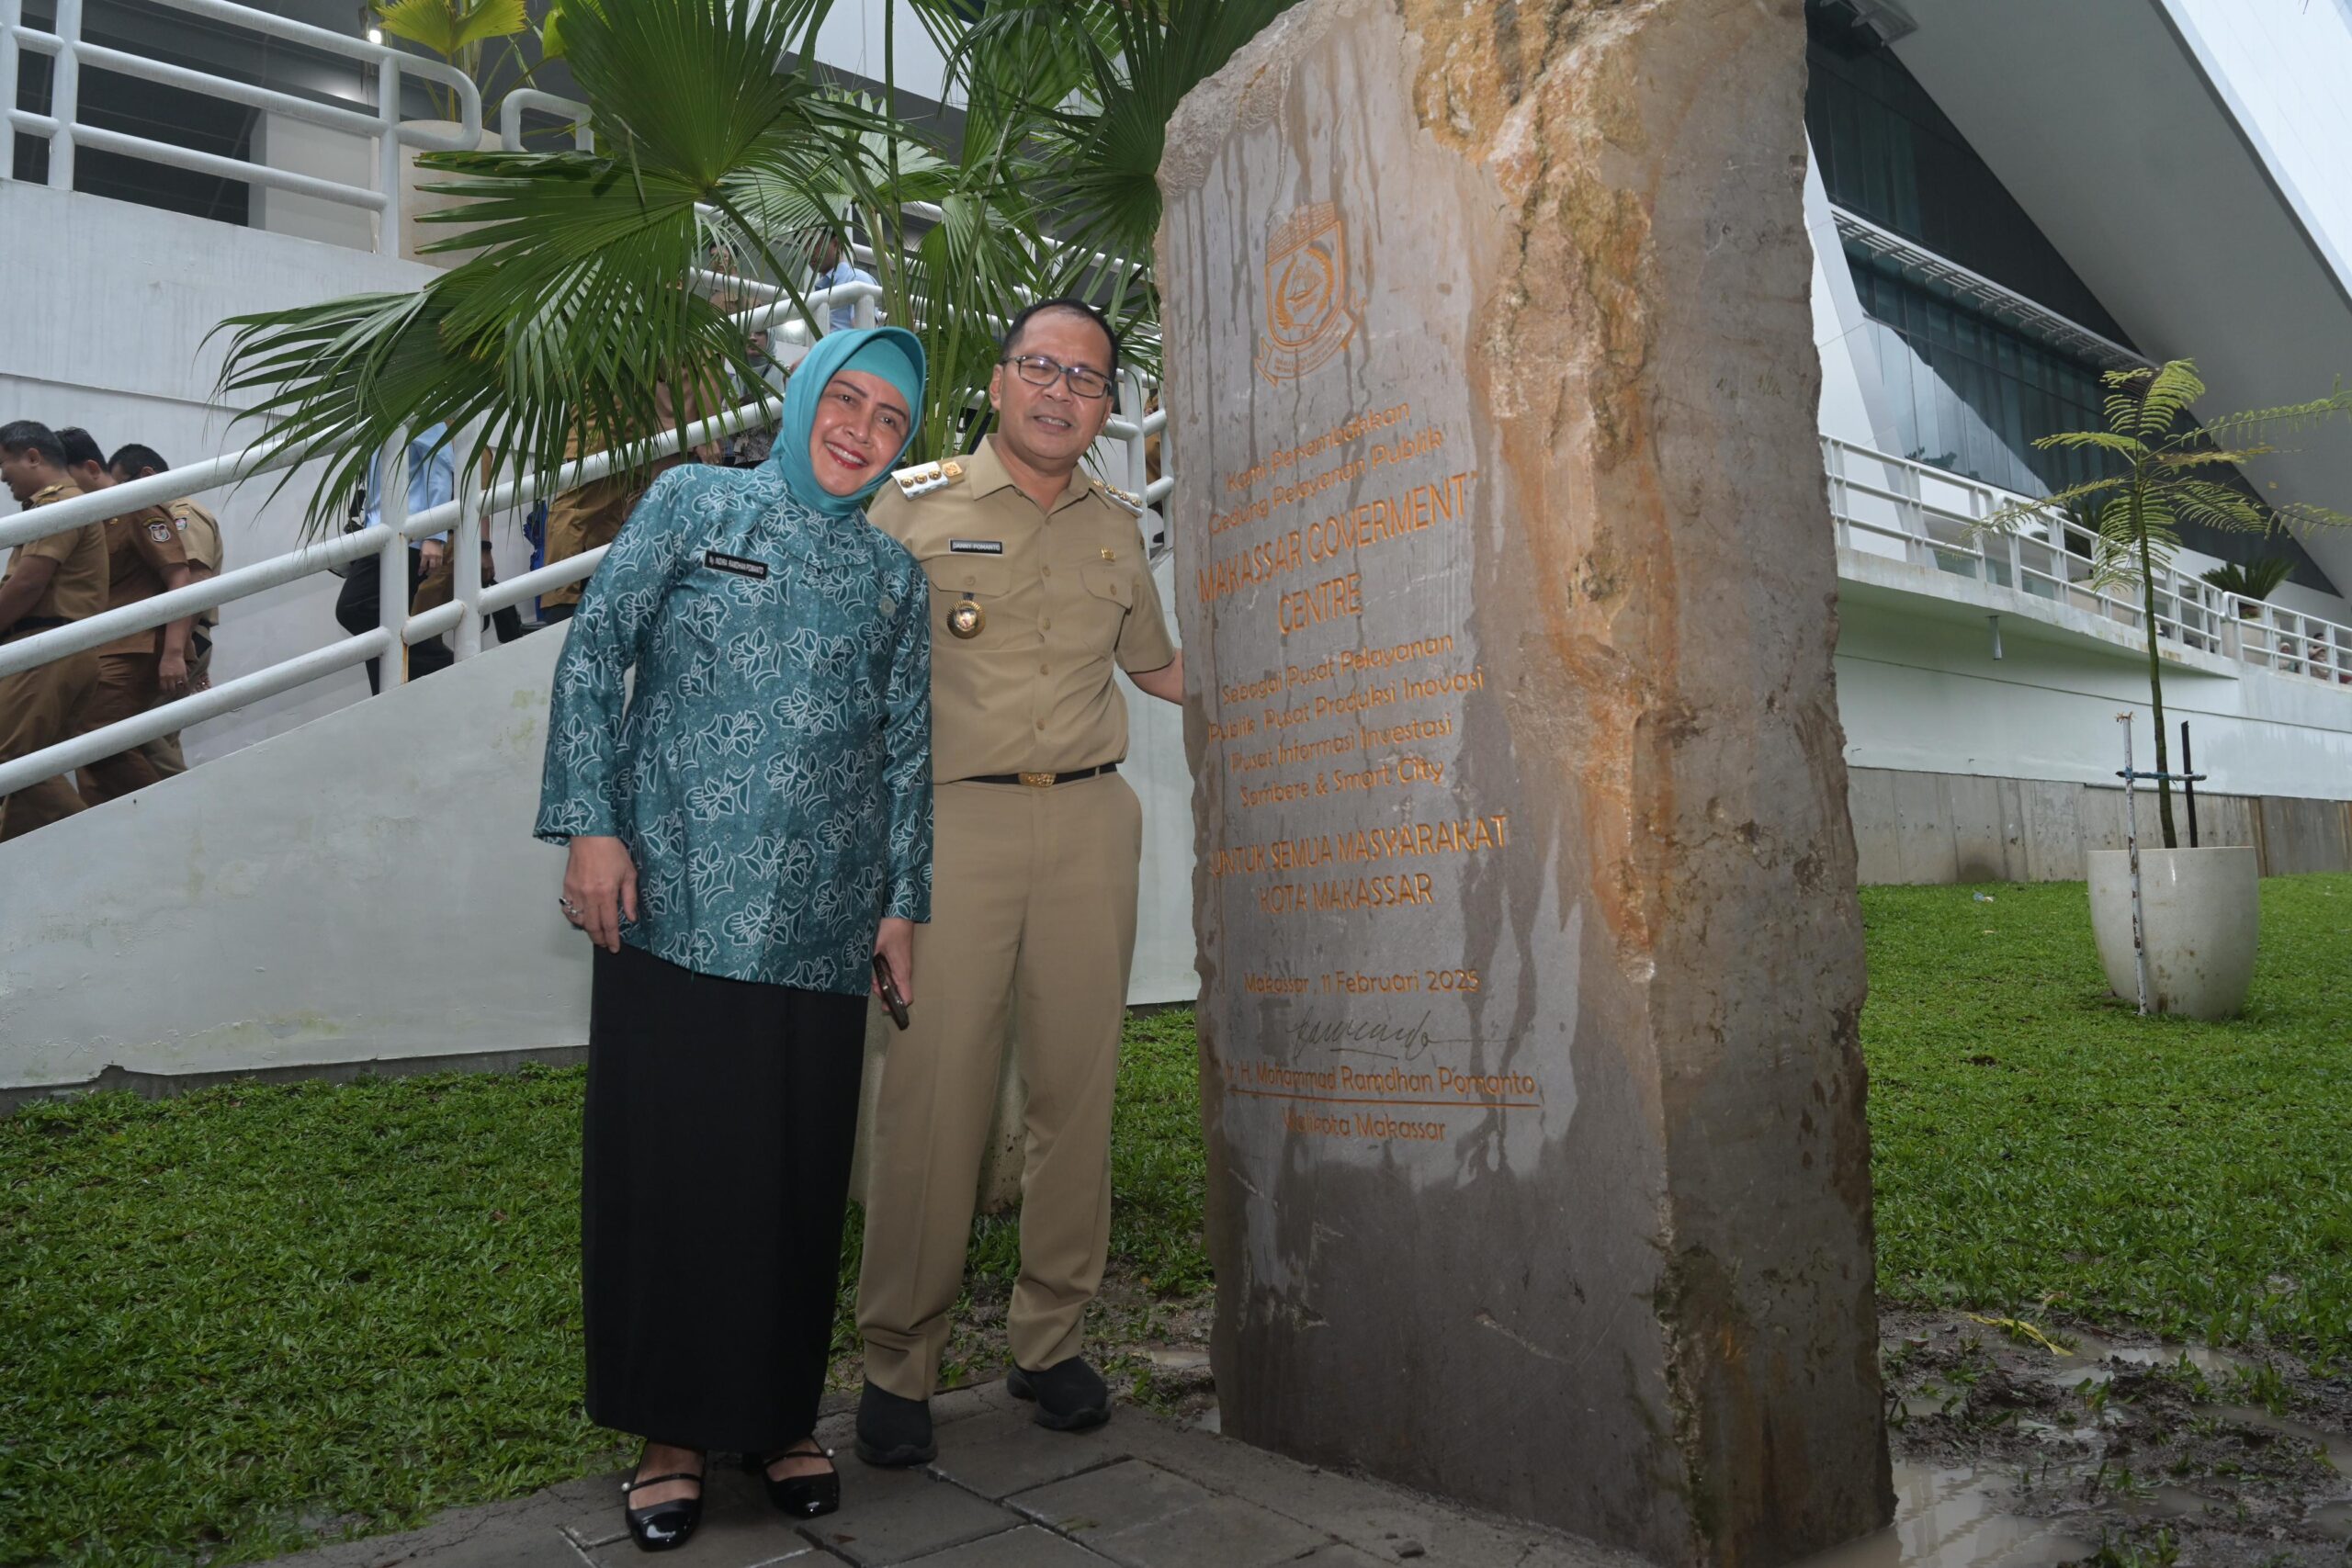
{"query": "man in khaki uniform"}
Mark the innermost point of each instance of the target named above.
(591, 515)
(1039, 589)
(139, 669)
(48, 583)
(199, 534)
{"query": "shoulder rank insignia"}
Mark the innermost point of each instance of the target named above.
(924, 477)
(1125, 497)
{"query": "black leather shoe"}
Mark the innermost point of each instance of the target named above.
(802, 1496)
(663, 1527)
(1071, 1395)
(893, 1432)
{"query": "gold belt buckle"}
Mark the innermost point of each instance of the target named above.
(1038, 781)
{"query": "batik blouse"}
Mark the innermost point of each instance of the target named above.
(770, 772)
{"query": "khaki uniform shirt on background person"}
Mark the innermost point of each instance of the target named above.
(37, 706)
(1033, 923)
(141, 546)
(199, 534)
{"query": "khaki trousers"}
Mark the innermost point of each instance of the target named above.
(1031, 933)
(37, 708)
(164, 753)
(126, 689)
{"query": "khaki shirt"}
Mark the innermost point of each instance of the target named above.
(1061, 596)
(141, 546)
(79, 588)
(200, 537)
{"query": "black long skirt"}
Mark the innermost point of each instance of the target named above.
(714, 1168)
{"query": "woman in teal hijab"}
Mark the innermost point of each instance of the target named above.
(749, 829)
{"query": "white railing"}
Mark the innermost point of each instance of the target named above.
(388, 540)
(1911, 512)
(65, 132)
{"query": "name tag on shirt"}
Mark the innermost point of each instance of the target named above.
(976, 547)
(719, 560)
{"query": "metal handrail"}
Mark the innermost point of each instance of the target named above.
(65, 132)
(2200, 615)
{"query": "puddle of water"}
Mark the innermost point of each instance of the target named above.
(2337, 1446)
(2333, 1520)
(2097, 1360)
(1953, 1518)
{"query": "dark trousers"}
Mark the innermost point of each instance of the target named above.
(714, 1174)
(359, 608)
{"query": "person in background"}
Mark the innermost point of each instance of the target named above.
(199, 534)
(85, 464)
(138, 669)
(747, 824)
(589, 516)
(432, 481)
(50, 582)
(832, 265)
(1041, 593)
(441, 583)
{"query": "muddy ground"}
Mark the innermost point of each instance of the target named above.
(2136, 1454)
(2016, 1445)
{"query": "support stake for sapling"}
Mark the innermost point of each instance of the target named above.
(2131, 847)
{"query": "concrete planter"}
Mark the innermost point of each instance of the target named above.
(2202, 914)
(415, 236)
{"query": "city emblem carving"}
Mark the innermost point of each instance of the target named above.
(1308, 316)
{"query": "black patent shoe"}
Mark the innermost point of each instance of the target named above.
(1071, 1395)
(802, 1496)
(663, 1527)
(894, 1432)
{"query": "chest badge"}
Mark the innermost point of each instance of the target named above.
(965, 619)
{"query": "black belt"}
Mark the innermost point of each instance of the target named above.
(1039, 780)
(24, 625)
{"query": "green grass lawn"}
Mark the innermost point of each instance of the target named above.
(235, 1323)
(2036, 1142)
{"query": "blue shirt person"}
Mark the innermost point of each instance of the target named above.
(834, 266)
(769, 776)
(432, 476)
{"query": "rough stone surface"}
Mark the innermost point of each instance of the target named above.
(1524, 886)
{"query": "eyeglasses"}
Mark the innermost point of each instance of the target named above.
(1039, 371)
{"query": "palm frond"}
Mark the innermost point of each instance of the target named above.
(447, 27)
(576, 306)
(2287, 417)
(2298, 514)
(2130, 446)
(2165, 398)
(2218, 505)
(2254, 579)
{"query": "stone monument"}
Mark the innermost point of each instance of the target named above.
(1525, 888)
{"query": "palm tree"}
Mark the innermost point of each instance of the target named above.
(715, 133)
(2167, 469)
(2252, 582)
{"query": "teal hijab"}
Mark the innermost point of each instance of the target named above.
(891, 352)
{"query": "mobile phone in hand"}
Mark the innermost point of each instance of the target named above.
(890, 997)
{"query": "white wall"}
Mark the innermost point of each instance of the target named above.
(851, 36)
(118, 301)
(367, 887)
(1925, 695)
(299, 147)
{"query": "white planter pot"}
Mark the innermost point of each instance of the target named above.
(415, 236)
(2202, 910)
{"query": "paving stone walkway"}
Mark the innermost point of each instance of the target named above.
(1143, 1492)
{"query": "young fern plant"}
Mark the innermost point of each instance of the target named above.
(2167, 469)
